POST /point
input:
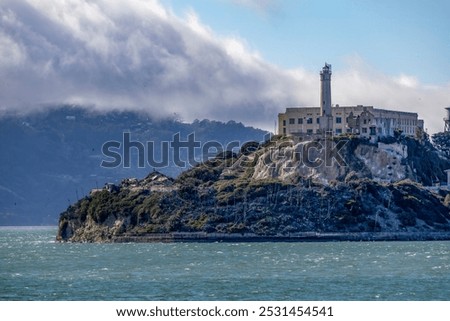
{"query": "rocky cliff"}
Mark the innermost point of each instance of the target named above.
(282, 188)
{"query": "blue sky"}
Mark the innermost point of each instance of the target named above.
(411, 37)
(242, 60)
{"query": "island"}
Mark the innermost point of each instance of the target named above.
(341, 188)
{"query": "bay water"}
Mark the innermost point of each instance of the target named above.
(35, 267)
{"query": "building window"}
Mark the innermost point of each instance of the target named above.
(364, 130)
(338, 131)
(365, 121)
(373, 131)
(318, 120)
(291, 121)
(338, 120)
(284, 130)
(300, 121)
(309, 120)
(284, 122)
(309, 131)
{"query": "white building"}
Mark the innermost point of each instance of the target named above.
(365, 121)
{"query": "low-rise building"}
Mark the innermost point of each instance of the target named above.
(365, 121)
(361, 120)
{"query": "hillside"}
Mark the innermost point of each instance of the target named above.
(269, 190)
(52, 158)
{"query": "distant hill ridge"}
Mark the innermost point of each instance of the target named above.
(51, 158)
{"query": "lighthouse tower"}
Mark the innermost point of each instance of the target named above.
(326, 119)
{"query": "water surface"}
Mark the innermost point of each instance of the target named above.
(34, 267)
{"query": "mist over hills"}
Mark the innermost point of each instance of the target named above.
(51, 158)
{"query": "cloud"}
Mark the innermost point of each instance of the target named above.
(137, 54)
(360, 83)
(261, 6)
(133, 54)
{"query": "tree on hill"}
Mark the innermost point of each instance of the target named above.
(442, 142)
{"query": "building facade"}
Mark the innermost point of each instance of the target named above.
(365, 121)
(361, 120)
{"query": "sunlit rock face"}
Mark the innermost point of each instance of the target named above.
(326, 161)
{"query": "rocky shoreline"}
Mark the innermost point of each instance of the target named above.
(298, 237)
